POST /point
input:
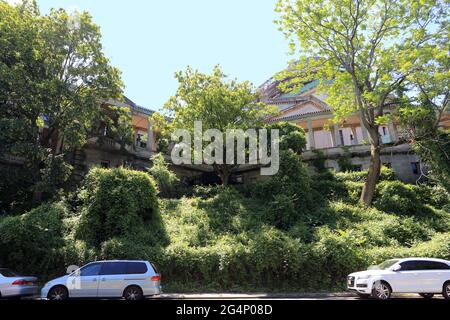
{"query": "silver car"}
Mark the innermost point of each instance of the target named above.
(12, 285)
(129, 279)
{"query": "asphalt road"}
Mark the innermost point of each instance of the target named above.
(281, 296)
(271, 296)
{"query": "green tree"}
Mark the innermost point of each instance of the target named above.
(53, 79)
(363, 53)
(218, 104)
(427, 102)
(292, 137)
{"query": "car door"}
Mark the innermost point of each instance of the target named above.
(83, 283)
(407, 278)
(438, 272)
(112, 279)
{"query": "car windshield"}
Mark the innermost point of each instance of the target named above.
(8, 273)
(385, 265)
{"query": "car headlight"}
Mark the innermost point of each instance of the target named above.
(364, 277)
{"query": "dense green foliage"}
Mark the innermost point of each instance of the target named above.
(219, 104)
(115, 203)
(290, 233)
(168, 182)
(53, 78)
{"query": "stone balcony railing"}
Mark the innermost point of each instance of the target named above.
(109, 144)
(354, 150)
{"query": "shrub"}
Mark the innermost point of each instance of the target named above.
(167, 181)
(281, 211)
(115, 203)
(408, 231)
(434, 195)
(399, 198)
(337, 253)
(292, 137)
(292, 180)
(344, 186)
(437, 247)
(33, 243)
(386, 174)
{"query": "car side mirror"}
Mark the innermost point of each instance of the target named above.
(397, 268)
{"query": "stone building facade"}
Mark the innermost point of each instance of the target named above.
(307, 108)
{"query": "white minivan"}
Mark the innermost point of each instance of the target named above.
(425, 276)
(129, 279)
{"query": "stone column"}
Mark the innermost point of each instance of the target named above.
(312, 143)
(337, 137)
(150, 136)
(392, 131)
(355, 137)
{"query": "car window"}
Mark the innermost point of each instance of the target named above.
(112, 268)
(8, 273)
(434, 265)
(410, 266)
(92, 269)
(136, 268)
(154, 267)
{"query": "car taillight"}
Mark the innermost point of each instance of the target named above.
(156, 278)
(22, 282)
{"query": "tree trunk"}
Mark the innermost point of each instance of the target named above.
(224, 174)
(373, 176)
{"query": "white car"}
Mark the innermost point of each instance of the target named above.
(129, 279)
(425, 276)
(15, 286)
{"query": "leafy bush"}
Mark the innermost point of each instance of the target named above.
(386, 174)
(437, 247)
(167, 181)
(400, 198)
(292, 180)
(292, 137)
(435, 195)
(337, 253)
(281, 211)
(115, 203)
(34, 242)
(408, 231)
(344, 186)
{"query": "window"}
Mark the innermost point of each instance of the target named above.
(141, 140)
(154, 267)
(8, 273)
(136, 268)
(415, 166)
(341, 137)
(409, 266)
(112, 268)
(434, 265)
(92, 269)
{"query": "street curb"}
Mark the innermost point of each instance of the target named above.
(306, 295)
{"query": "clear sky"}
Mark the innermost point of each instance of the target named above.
(149, 40)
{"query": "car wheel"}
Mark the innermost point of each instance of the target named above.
(133, 293)
(446, 290)
(427, 295)
(381, 290)
(58, 293)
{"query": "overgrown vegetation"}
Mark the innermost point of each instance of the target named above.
(293, 232)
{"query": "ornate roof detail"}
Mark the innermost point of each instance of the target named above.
(130, 104)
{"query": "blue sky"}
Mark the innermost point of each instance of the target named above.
(149, 40)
